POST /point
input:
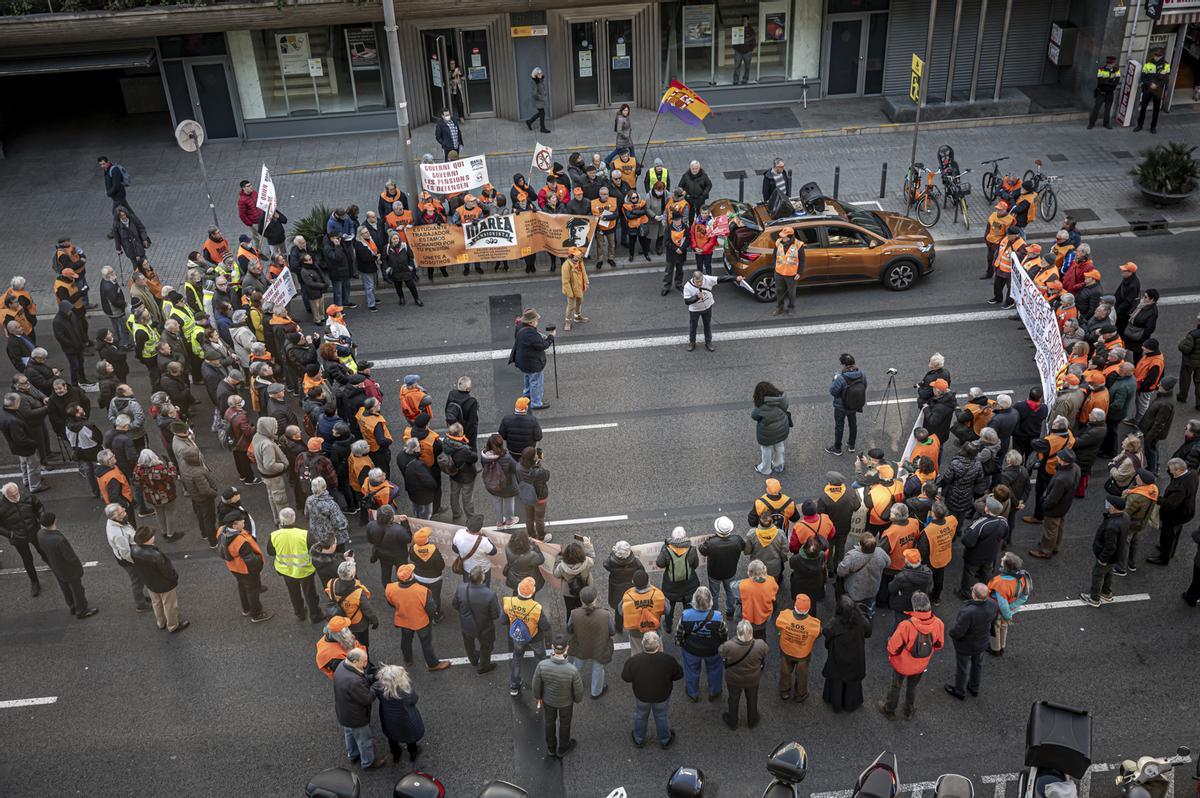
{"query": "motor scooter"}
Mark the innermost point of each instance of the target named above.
(1149, 776)
(881, 778)
(788, 764)
(1058, 751)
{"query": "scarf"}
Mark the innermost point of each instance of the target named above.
(835, 492)
(765, 536)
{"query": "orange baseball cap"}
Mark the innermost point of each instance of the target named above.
(1002, 206)
(421, 536)
(1095, 275)
(940, 385)
(1035, 249)
(575, 252)
(405, 572)
(803, 603)
(1130, 267)
(1071, 379)
(773, 486)
(522, 403)
(338, 623)
(912, 556)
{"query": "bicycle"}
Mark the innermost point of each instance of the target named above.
(993, 182)
(956, 194)
(1043, 184)
(923, 194)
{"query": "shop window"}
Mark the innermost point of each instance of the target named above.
(726, 43)
(294, 73)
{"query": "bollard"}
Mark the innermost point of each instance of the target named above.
(742, 187)
(837, 178)
(883, 181)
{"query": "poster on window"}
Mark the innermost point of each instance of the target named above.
(585, 63)
(775, 26)
(435, 71)
(698, 26)
(294, 52)
(363, 48)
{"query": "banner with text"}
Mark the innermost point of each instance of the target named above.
(267, 199)
(498, 238)
(455, 177)
(280, 291)
(1042, 327)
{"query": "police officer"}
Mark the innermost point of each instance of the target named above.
(1107, 78)
(1154, 83)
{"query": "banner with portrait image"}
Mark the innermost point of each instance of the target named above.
(499, 238)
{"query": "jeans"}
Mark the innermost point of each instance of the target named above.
(424, 511)
(714, 667)
(694, 319)
(851, 421)
(557, 719)
(506, 508)
(741, 61)
(968, 669)
(461, 498)
(534, 384)
(31, 471)
(75, 366)
(727, 584)
(867, 606)
(772, 458)
(910, 695)
(598, 677)
(662, 723)
(341, 292)
(136, 584)
(537, 646)
(425, 636)
(120, 332)
(359, 744)
(368, 281)
(1101, 580)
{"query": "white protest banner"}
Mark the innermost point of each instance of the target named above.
(1042, 327)
(543, 158)
(266, 193)
(280, 291)
(490, 231)
(454, 177)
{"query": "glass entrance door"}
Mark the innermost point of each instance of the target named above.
(620, 61)
(201, 90)
(477, 70)
(438, 53)
(602, 63)
(845, 56)
(585, 82)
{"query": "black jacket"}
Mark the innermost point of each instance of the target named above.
(1087, 299)
(478, 609)
(155, 568)
(1155, 423)
(981, 542)
(1177, 505)
(69, 330)
(390, 542)
(840, 507)
(620, 577)
(364, 259)
(768, 184)
(112, 299)
(339, 260)
(398, 264)
(938, 415)
(1110, 537)
(1189, 452)
(520, 431)
(1126, 297)
(1030, 424)
(1060, 492)
(443, 135)
(529, 349)
(313, 280)
(973, 626)
(696, 186)
(465, 460)
(352, 696)
(722, 555)
(19, 519)
(924, 391)
(59, 554)
(652, 676)
(1005, 422)
(466, 413)
(958, 482)
(16, 430)
(275, 232)
(906, 582)
(419, 482)
(1087, 445)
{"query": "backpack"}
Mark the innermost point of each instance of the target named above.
(122, 174)
(854, 398)
(454, 412)
(307, 472)
(494, 478)
(922, 646)
(518, 632)
(672, 569)
(225, 434)
(445, 462)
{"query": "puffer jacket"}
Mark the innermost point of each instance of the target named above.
(519, 566)
(271, 460)
(772, 420)
(900, 644)
(1189, 347)
(325, 518)
(19, 519)
(620, 576)
(195, 477)
(958, 483)
(773, 553)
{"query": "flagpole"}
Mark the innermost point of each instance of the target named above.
(646, 149)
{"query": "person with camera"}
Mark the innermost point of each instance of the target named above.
(849, 392)
(529, 355)
(698, 296)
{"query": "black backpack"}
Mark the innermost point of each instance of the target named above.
(854, 398)
(307, 472)
(922, 646)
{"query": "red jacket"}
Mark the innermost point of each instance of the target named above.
(702, 243)
(900, 644)
(248, 211)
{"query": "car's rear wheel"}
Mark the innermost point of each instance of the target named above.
(764, 287)
(900, 275)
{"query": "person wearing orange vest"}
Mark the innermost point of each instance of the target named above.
(18, 304)
(604, 208)
(113, 484)
(528, 628)
(389, 197)
(677, 243)
(633, 211)
(774, 503)
(374, 429)
(378, 491)
(351, 597)
(756, 597)
(900, 535)
(469, 211)
(414, 609)
(642, 608)
(334, 644)
(1097, 395)
(798, 632)
(413, 398)
(811, 524)
(936, 546)
(910, 651)
(703, 240)
(1148, 371)
(997, 227)
(215, 249)
(925, 445)
(244, 559)
(789, 269)
(1010, 590)
(1066, 310)
(66, 256)
(359, 465)
(1012, 243)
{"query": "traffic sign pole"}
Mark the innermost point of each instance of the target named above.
(922, 79)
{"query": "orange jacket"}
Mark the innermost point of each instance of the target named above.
(900, 644)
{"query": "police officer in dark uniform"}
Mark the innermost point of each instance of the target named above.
(1107, 79)
(1154, 83)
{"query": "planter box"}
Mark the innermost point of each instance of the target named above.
(1163, 199)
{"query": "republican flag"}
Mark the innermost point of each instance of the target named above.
(684, 104)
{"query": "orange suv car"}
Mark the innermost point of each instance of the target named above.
(843, 244)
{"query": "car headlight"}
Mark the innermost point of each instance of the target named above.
(926, 248)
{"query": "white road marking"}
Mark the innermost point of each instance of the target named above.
(28, 702)
(507, 656)
(753, 333)
(1061, 605)
(866, 203)
(40, 569)
(574, 428)
(599, 519)
(18, 475)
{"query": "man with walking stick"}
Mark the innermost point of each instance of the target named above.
(529, 355)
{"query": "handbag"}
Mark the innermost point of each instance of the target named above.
(457, 565)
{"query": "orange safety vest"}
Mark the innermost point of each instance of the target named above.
(235, 563)
(678, 237)
(427, 443)
(676, 208)
(19, 316)
(606, 211)
(354, 466)
(1065, 314)
(797, 634)
(628, 170)
(635, 222)
(367, 425)
(932, 450)
(409, 602)
(804, 532)
(249, 254)
(998, 225)
(642, 611)
(881, 498)
(1143, 368)
(787, 261)
(217, 251)
(901, 537)
(757, 598)
(69, 287)
(410, 401)
(108, 476)
(529, 611)
(466, 214)
(350, 604)
(380, 494)
(1093, 400)
(1003, 261)
(1060, 253)
(25, 299)
(1031, 198)
(327, 652)
(1059, 442)
(312, 382)
(980, 414)
(941, 541)
(782, 509)
(400, 222)
(1111, 344)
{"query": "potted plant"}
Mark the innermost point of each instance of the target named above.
(1167, 173)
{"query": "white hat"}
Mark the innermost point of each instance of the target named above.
(679, 534)
(724, 526)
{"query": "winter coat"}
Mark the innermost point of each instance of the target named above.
(808, 575)
(20, 433)
(529, 349)
(539, 93)
(325, 518)
(938, 415)
(743, 661)
(154, 567)
(389, 543)
(271, 460)
(1016, 478)
(574, 279)
(861, 573)
(313, 280)
(19, 520)
(465, 460)
(505, 464)
(846, 647)
(1189, 347)
(1004, 422)
(1121, 395)
(519, 566)
(1189, 452)
(620, 576)
(365, 260)
(675, 588)
(338, 261)
(772, 420)
(697, 187)
(1109, 540)
(131, 238)
(419, 482)
(722, 555)
(60, 555)
(157, 484)
(520, 430)
(591, 631)
(973, 626)
(1060, 492)
(538, 477)
(478, 609)
(466, 412)
(958, 483)
(907, 581)
(623, 127)
(900, 644)
(575, 576)
(1032, 414)
(557, 683)
(1155, 423)
(195, 477)
(69, 330)
(773, 554)
(352, 696)
(1087, 445)
(399, 717)
(841, 381)
(1146, 319)
(1177, 504)
(981, 541)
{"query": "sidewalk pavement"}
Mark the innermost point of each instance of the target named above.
(53, 183)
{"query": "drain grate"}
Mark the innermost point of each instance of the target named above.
(1122, 154)
(1082, 214)
(1144, 221)
(1057, 157)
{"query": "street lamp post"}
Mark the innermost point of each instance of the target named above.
(397, 72)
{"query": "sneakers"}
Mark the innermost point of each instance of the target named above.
(850, 449)
(264, 616)
(1087, 599)
(581, 319)
(670, 740)
(1131, 568)
(567, 325)
(883, 710)
(355, 304)
(182, 625)
(833, 451)
(88, 613)
(1106, 598)
(993, 301)
(514, 691)
(1121, 572)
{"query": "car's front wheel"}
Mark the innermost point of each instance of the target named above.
(900, 275)
(764, 287)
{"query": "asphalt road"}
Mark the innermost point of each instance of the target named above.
(227, 708)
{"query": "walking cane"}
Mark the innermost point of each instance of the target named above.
(554, 357)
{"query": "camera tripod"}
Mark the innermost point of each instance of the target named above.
(889, 402)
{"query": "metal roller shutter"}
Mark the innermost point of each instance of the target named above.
(906, 35)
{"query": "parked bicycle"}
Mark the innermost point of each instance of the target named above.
(921, 193)
(994, 184)
(1043, 184)
(957, 189)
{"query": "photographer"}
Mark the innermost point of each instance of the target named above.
(698, 297)
(849, 392)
